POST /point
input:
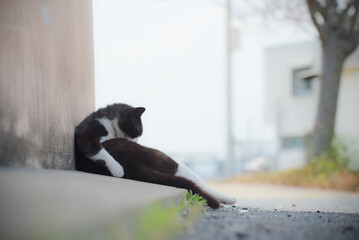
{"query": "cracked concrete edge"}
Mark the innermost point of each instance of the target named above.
(69, 204)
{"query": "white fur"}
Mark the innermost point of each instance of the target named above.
(113, 166)
(132, 139)
(112, 128)
(185, 172)
(113, 132)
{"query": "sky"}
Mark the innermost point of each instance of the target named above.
(169, 57)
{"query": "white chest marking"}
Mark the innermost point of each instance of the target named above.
(132, 139)
(112, 128)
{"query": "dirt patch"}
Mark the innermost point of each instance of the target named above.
(322, 174)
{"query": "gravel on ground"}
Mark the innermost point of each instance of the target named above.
(234, 222)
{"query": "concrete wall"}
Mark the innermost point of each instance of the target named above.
(46, 80)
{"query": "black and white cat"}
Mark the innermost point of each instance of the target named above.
(114, 121)
(105, 143)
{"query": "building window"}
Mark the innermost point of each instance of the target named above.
(292, 142)
(301, 84)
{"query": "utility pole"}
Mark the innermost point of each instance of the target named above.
(230, 164)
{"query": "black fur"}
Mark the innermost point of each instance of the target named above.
(89, 132)
(150, 165)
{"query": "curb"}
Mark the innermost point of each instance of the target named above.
(58, 204)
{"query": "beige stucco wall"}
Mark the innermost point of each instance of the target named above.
(46, 79)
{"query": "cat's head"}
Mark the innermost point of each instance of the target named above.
(130, 123)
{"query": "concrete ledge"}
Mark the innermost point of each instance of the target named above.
(68, 204)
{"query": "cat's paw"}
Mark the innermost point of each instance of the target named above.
(228, 200)
(117, 170)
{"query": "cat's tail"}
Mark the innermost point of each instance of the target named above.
(147, 175)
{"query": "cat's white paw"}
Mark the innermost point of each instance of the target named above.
(116, 170)
(113, 166)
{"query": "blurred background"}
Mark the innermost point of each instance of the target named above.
(241, 91)
(230, 87)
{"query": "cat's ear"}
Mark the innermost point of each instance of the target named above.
(137, 112)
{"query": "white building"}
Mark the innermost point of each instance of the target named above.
(291, 101)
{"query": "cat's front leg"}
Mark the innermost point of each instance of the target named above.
(112, 165)
(94, 151)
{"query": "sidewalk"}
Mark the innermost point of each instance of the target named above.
(270, 197)
(63, 204)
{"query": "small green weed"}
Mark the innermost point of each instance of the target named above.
(195, 198)
(338, 153)
(157, 222)
(163, 221)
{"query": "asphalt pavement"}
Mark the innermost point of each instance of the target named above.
(236, 222)
(266, 211)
